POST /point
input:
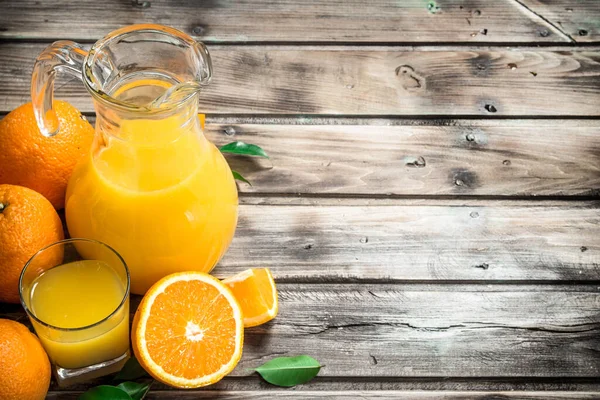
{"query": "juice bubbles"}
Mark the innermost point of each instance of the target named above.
(157, 192)
(76, 295)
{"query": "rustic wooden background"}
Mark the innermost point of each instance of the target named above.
(431, 209)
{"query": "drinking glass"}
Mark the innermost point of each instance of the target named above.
(76, 294)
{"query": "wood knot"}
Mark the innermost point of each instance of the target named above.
(463, 179)
(419, 162)
(141, 4)
(198, 30)
(490, 108)
(410, 80)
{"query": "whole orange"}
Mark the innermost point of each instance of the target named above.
(28, 222)
(24, 365)
(44, 164)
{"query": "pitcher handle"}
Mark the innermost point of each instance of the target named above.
(64, 56)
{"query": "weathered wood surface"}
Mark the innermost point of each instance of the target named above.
(382, 21)
(367, 81)
(398, 157)
(254, 383)
(348, 394)
(344, 395)
(400, 265)
(576, 19)
(334, 240)
(463, 157)
(515, 241)
(385, 330)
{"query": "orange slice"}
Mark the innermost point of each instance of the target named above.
(256, 292)
(188, 330)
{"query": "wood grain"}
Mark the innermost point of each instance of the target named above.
(347, 394)
(363, 81)
(500, 158)
(411, 241)
(400, 294)
(385, 21)
(518, 241)
(387, 157)
(577, 19)
(254, 383)
(431, 330)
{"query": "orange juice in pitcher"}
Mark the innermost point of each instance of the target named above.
(152, 186)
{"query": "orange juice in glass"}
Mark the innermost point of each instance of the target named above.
(152, 186)
(76, 293)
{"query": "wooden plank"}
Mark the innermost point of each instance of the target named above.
(465, 157)
(362, 330)
(577, 19)
(385, 21)
(346, 394)
(410, 241)
(490, 158)
(398, 158)
(359, 81)
(517, 241)
(398, 384)
(339, 240)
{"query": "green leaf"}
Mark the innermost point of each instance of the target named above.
(432, 7)
(289, 371)
(243, 149)
(239, 177)
(136, 391)
(105, 392)
(131, 370)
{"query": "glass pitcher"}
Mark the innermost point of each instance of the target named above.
(152, 186)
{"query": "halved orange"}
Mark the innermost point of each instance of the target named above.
(188, 330)
(255, 290)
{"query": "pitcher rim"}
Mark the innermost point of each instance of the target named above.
(103, 97)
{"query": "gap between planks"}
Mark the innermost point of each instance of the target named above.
(348, 394)
(328, 383)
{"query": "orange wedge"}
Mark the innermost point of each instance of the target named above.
(256, 292)
(188, 330)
